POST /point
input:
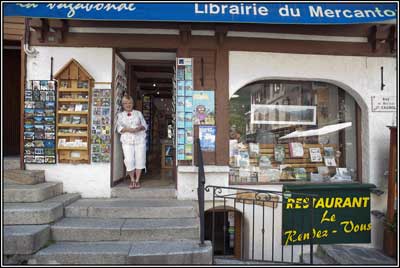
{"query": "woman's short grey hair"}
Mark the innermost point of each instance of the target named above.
(127, 97)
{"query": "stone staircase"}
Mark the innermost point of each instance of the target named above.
(141, 226)
(30, 206)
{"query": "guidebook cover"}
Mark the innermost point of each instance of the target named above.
(279, 153)
(296, 149)
(315, 155)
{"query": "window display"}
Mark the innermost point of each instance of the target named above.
(292, 131)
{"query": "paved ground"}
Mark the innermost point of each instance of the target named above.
(156, 178)
(357, 255)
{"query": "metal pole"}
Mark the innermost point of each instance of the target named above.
(200, 190)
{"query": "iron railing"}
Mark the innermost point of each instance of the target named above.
(257, 210)
(245, 201)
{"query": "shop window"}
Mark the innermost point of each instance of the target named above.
(284, 131)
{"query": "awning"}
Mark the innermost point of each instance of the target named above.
(273, 13)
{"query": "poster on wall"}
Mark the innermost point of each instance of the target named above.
(203, 107)
(101, 125)
(207, 138)
(40, 122)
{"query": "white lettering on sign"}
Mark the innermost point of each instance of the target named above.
(320, 12)
(384, 103)
(88, 7)
(231, 9)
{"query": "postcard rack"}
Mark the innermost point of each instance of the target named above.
(73, 114)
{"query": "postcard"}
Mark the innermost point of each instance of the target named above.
(51, 85)
(35, 85)
(43, 85)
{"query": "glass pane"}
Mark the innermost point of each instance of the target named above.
(292, 131)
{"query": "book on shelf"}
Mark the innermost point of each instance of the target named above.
(244, 160)
(296, 149)
(65, 120)
(329, 151)
(315, 155)
(279, 152)
(264, 162)
(254, 149)
(78, 107)
(343, 173)
(324, 171)
(83, 121)
(76, 120)
(300, 173)
(330, 161)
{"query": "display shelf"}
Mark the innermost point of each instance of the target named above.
(73, 112)
(72, 134)
(75, 88)
(73, 125)
(73, 100)
(73, 148)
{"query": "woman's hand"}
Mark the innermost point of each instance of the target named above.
(132, 130)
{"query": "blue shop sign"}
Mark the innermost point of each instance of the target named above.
(246, 12)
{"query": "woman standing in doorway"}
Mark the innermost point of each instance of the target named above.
(132, 127)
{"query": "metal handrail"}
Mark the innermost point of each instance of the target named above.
(200, 189)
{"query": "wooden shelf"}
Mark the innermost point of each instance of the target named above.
(73, 89)
(72, 134)
(72, 112)
(73, 100)
(73, 125)
(73, 148)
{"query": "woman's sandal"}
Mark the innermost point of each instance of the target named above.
(137, 185)
(132, 185)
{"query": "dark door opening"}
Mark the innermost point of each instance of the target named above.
(228, 238)
(150, 84)
(11, 98)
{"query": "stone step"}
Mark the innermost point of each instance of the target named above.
(44, 212)
(128, 208)
(18, 176)
(351, 255)
(143, 252)
(24, 239)
(65, 199)
(94, 229)
(123, 191)
(11, 162)
(31, 193)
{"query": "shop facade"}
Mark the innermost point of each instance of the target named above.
(338, 71)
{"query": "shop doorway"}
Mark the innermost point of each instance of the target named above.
(150, 78)
(11, 99)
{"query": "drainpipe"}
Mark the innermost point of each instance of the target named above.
(28, 51)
